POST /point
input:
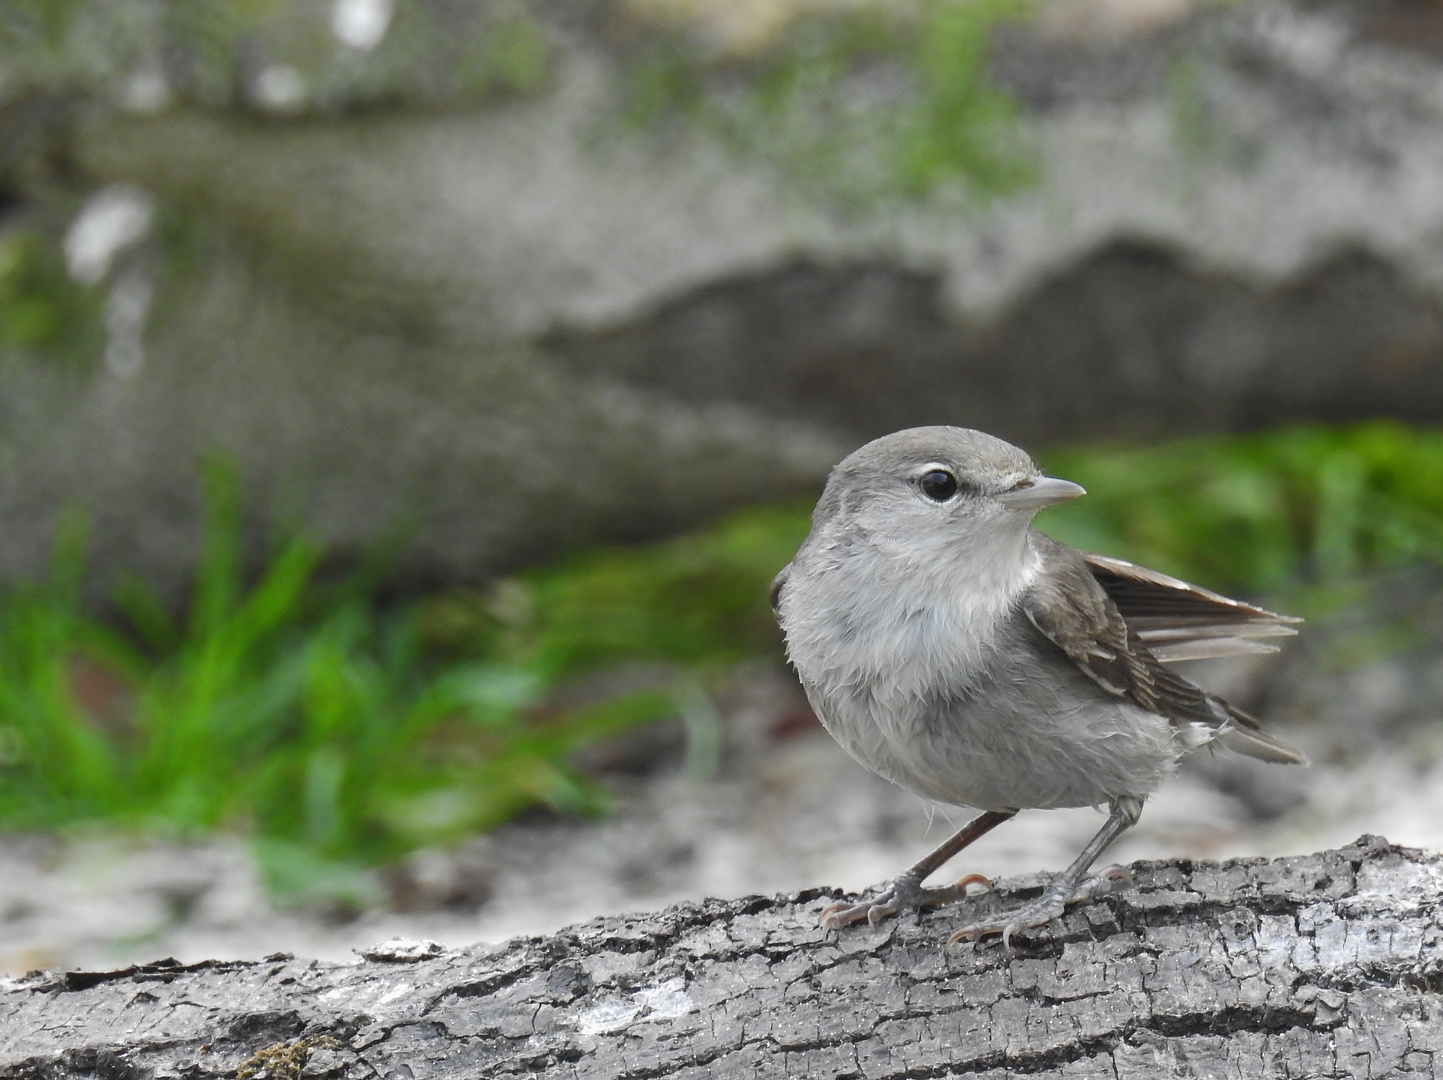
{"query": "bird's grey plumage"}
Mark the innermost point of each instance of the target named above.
(955, 650)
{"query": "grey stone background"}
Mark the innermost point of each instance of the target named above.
(489, 316)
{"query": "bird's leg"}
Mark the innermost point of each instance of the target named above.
(906, 891)
(1069, 886)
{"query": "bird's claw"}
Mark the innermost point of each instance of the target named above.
(1028, 917)
(1108, 880)
(895, 897)
(1052, 903)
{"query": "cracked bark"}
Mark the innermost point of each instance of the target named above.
(1323, 965)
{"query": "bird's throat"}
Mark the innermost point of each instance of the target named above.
(936, 617)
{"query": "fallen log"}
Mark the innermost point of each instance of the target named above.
(1323, 965)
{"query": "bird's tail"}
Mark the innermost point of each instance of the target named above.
(1246, 736)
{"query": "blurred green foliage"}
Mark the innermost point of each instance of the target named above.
(1195, 128)
(41, 310)
(285, 706)
(45, 19)
(1267, 514)
(339, 733)
(699, 600)
(960, 126)
(511, 55)
(211, 52)
(866, 103)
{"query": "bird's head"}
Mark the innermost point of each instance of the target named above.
(941, 486)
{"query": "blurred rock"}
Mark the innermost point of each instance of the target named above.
(420, 291)
(431, 880)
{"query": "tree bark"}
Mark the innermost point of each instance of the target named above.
(1323, 965)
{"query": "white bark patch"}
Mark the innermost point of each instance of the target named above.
(665, 1001)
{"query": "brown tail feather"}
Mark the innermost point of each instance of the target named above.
(1246, 736)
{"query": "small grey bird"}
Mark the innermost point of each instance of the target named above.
(955, 650)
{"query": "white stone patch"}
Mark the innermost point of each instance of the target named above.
(280, 88)
(145, 91)
(361, 24)
(665, 1001)
(114, 218)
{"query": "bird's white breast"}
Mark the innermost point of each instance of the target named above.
(905, 616)
(874, 630)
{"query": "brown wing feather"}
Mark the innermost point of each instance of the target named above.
(1180, 621)
(1077, 613)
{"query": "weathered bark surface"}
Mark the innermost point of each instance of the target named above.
(1324, 965)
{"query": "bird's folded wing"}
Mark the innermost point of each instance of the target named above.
(1180, 621)
(1070, 608)
(1076, 612)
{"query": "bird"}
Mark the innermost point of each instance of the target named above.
(952, 648)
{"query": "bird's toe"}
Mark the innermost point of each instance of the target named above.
(1106, 882)
(1008, 923)
(1052, 903)
(896, 897)
(835, 916)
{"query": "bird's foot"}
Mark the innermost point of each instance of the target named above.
(1052, 903)
(895, 897)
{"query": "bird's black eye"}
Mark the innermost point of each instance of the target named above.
(938, 485)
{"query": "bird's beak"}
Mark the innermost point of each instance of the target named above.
(1043, 491)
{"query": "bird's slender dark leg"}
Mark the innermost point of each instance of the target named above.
(906, 891)
(1069, 886)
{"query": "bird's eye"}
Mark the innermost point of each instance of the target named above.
(938, 485)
